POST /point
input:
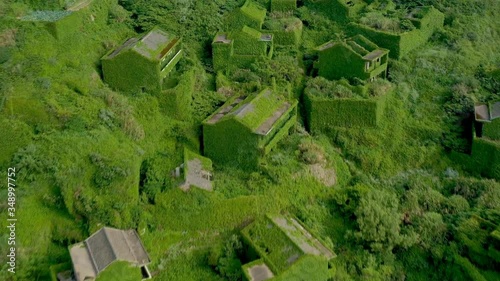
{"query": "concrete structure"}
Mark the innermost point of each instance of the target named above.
(487, 120)
(249, 14)
(485, 154)
(103, 248)
(246, 128)
(238, 49)
(197, 171)
(280, 246)
(356, 57)
(142, 64)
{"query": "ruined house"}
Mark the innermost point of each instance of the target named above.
(355, 57)
(142, 64)
(108, 245)
(280, 247)
(247, 127)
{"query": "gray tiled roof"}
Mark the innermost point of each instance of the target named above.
(108, 245)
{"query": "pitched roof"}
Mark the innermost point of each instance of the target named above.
(153, 45)
(487, 112)
(495, 110)
(258, 112)
(280, 241)
(253, 10)
(104, 247)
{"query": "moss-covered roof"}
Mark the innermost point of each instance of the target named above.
(250, 32)
(280, 241)
(154, 45)
(256, 112)
(46, 16)
(253, 10)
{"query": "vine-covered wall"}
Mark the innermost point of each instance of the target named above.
(325, 113)
(130, 72)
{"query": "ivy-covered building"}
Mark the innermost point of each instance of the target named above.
(110, 249)
(281, 248)
(486, 144)
(330, 104)
(238, 49)
(286, 31)
(68, 17)
(250, 14)
(247, 127)
(417, 26)
(355, 57)
(142, 64)
(197, 171)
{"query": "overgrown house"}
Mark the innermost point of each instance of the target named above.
(197, 171)
(249, 14)
(353, 58)
(109, 249)
(142, 64)
(281, 248)
(238, 49)
(486, 145)
(247, 127)
(416, 27)
(69, 19)
(355, 110)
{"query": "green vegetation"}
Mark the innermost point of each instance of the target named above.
(400, 190)
(120, 271)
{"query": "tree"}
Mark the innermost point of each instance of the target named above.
(379, 221)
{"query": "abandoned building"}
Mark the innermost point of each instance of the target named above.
(249, 14)
(68, 20)
(246, 128)
(105, 247)
(423, 22)
(324, 112)
(286, 31)
(142, 64)
(238, 49)
(485, 154)
(280, 246)
(196, 171)
(487, 120)
(355, 57)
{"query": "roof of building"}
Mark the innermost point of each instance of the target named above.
(104, 247)
(245, 32)
(359, 45)
(495, 110)
(253, 10)
(482, 112)
(46, 16)
(257, 112)
(280, 241)
(222, 38)
(154, 45)
(487, 112)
